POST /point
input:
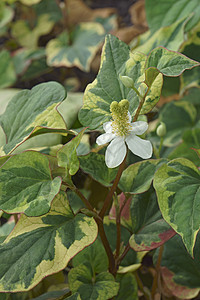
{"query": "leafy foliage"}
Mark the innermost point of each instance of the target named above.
(70, 226)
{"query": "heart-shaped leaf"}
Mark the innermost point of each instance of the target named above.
(102, 286)
(28, 37)
(94, 255)
(26, 184)
(177, 186)
(40, 246)
(79, 52)
(149, 229)
(29, 110)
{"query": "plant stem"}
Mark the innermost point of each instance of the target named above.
(140, 105)
(140, 284)
(102, 233)
(155, 280)
(106, 245)
(118, 225)
(127, 248)
(137, 92)
(160, 146)
(108, 199)
(85, 201)
(118, 242)
(16, 218)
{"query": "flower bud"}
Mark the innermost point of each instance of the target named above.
(127, 81)
(161, 130)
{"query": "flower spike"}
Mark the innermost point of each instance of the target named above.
(121, 132)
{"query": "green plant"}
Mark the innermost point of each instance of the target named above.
(114, 221)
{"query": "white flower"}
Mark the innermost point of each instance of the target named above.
(121, 132)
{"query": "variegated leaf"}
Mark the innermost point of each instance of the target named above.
(30, 110)
(177, 185)
(26, 184)
(40, 246)
(80, 51)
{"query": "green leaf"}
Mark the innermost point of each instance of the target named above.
(75, 296)
(75, 201)
(94, 255)
(169, 63)
(182, 282)
(49, 7)
(146, 72)
(69, 108)
(164, 13)
(67, 156)
(94, 165)
(6, 95)
(36, 69)
(117, 60)
(178, 117)
(190, 78)
(171, 37)
(99, 287)
(39, 142)
(30, 110)
(149, 229)
(6, 15)
(177, 186)
(128, 287)
(191, 141)
(50, 241)
(29, 2)
(148, 81)
(106, 87)
(132, 260)
(52, 295)
(5, 230)
(137, 178)
(109, 23)
(152, 236)
(79, 52)
(24, 59)
(28, 37)
(26, 184)
(7, 72)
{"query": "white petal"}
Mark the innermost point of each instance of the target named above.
(129, 116)
(104, 138)
(107, 127)
(139, 147)
(139, 127)
(115, 152)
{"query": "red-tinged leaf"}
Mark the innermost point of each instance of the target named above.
(180, 291)
(180, 272)
(151, 236)
(148, 226)
(125, 214)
